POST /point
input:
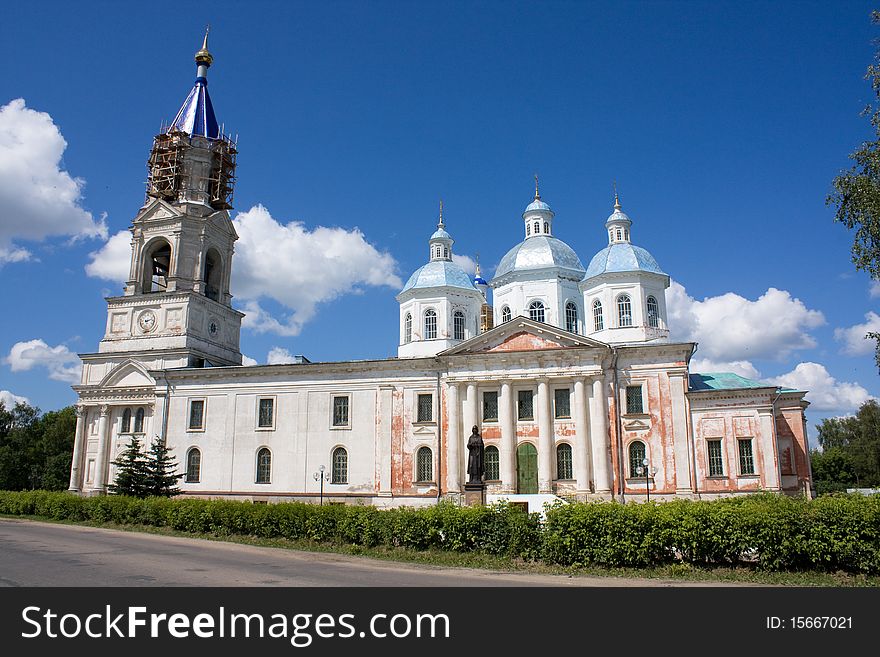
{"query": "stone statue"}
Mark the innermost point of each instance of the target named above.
(475, 466)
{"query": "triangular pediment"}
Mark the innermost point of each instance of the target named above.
(523, 334)
(128, 374)
(636, 425)
(157, 210)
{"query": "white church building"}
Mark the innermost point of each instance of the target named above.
(568, 372)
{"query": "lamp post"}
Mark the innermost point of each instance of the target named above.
(322, 476)
(649, 472)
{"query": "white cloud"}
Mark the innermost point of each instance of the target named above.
(300, 268)
(9, 400)
(62, 364)
(112, 261)
(732, 328)
(465, 262)
(38, 198)
(824, 392)
(741, 367)
(247, 361)
(853, 338)
(279, 355)
(874, 290)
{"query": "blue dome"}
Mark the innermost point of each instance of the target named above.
(538, 204)
(621, 257)
(439, 273)
(441, 234)
(539, 252)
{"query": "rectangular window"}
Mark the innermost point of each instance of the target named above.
(524, 406)
(490, 406)
(340, 411)
(634, 403)
(425, 410)
(562, 403)
(196, 414)
(266, 413)
(716, 459)
(746, 458)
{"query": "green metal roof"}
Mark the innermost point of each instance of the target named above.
(723, 381)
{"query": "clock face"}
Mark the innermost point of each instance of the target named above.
(214, 328)
(147, 321)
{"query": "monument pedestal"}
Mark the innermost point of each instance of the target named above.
(474, 494)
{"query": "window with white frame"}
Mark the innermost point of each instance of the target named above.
(536, 311)
(564, 464)
(505, 314)
(571, 317)
(266, 413)
(425, 408)
(126, 421)
(430, 324)
(196, 415)
(634, 402)
(424, 464)
(716, 458)
(746, 457)
(598, 321)
(653, 313)
(139, 421)
(490, 406)
(341, 415)
(525, 405)
(624, 310)
(493, 463)
(264, 466)
(637, 454)
(407, 328)
(193, 466)
(339, 471)
(561, 403)
(458, 325)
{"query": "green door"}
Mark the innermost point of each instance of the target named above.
(526, 469)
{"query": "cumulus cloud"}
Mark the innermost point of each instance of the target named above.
(825, 393)
(9, 400)
(732, 328)
(38, 199)
(112, 261)
(300, 268)
(874, 290)
(465, 262)
(741, 367)
(61, 363)
(853, 338)
(279, 355)
(247, 361)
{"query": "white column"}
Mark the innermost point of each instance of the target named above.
(469, 422)
(599, 438)
(101, 466)
(770, 470)
(545, 439)
(76, 473)
(681, 449)
(453, 439)
(384, 420)
(581, 445)
(507, 453)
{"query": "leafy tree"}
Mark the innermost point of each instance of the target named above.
(856, 192)
(161, 467)
(851, 448)
(132, 472)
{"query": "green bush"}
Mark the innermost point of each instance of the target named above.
(772, 532)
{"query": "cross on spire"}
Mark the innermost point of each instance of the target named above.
(537, 193)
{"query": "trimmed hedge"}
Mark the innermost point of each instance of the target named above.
(773, 532)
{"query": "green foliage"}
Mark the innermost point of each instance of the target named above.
(35, 450)
(772, 532)
(856, 192)
(850, 450)
(162, 480)
(132, 472)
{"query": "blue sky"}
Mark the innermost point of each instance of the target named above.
(723, 124)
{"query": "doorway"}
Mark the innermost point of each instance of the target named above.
(526, 469)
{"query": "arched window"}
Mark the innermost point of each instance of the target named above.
(624, 310)
(157, 264)
(505, 314)
(653, 313)
(339, 473)
(212, 275)
(430, 324)
(571, 317)
(636, 457)
(445, 252)
(598, 321)
(492, 462)
(264, 466)
(537, 227)
(407, 329)
(139, 421)
(528, 229)
(458, 325)
(126, 421)
(618, 235)
(193, 466)
(564, 467)
(536, 311)
(424, 465)
(547, 227)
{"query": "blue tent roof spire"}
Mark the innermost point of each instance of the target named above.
(196, 115)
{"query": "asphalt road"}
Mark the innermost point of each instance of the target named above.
(45, 554)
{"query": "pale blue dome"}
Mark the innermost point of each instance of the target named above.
(539, 252)
(441, 234)
(622, 257)
(539, 205)
(439, 273)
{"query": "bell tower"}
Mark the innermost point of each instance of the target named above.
(176, 304)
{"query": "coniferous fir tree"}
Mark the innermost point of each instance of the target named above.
(132, 472)
(161, 470)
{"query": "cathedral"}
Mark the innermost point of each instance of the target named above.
(567, 372)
